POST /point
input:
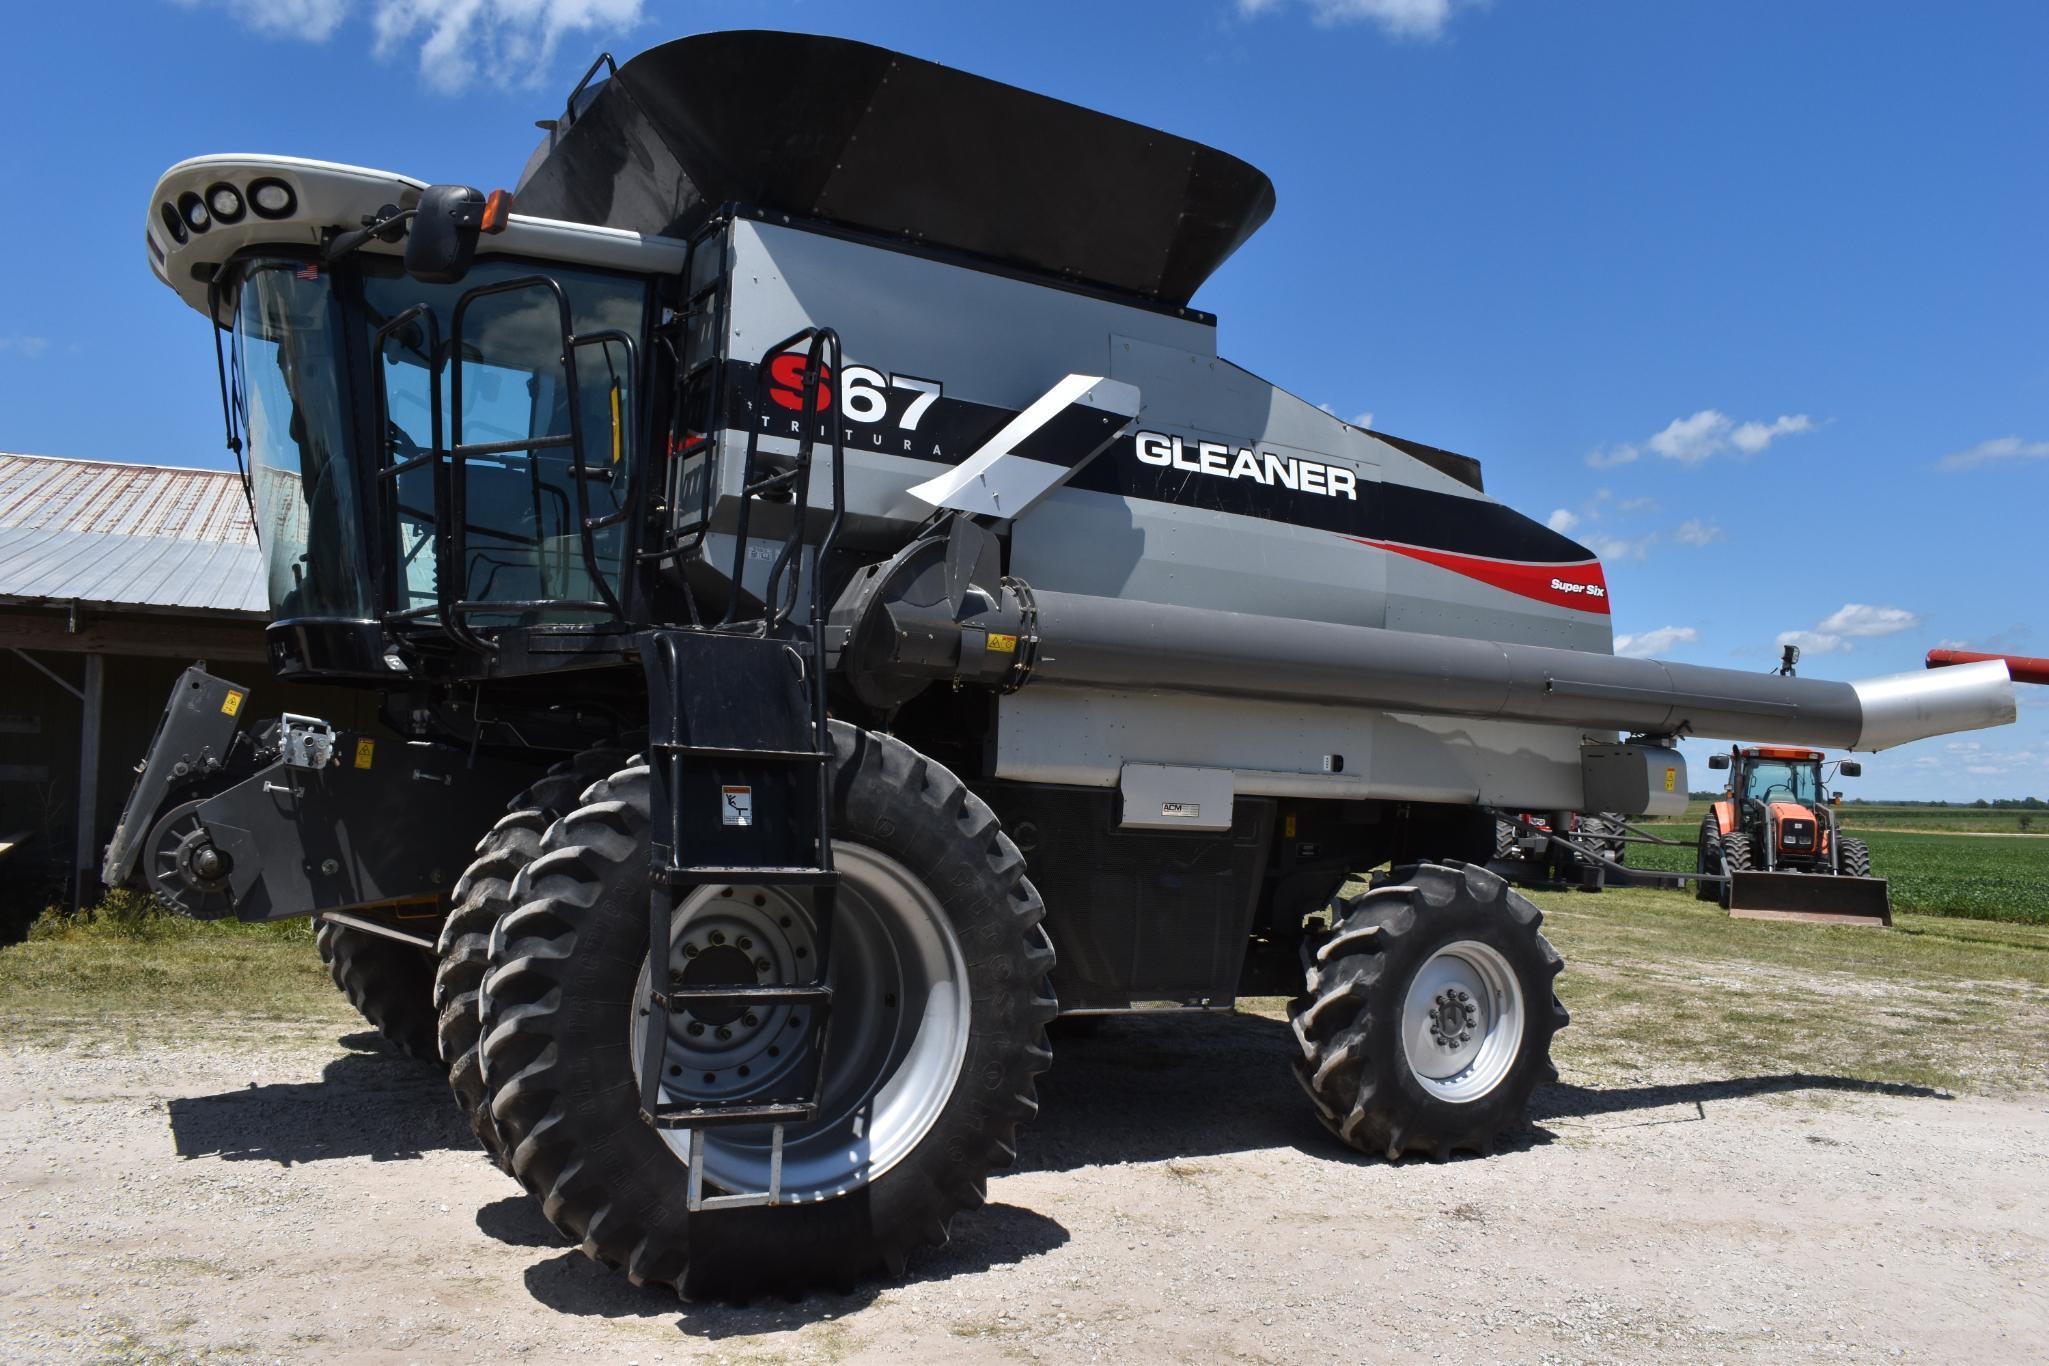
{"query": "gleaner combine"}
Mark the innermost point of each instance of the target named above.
(807, 543)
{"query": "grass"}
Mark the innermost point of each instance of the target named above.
(1658, 983)
(1660, 987)
(128, 962)
(1976, 877)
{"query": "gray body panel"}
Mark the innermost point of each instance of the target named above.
(994, 340)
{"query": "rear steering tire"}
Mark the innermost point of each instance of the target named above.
(389, 982)
(938, 1034)
(1429, 1013)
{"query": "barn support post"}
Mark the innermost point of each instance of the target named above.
(86, 854)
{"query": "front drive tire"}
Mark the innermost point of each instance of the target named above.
(483, 895)
(1429, 1013)
(1856, 857)
(1708, 859)
(561, 1013)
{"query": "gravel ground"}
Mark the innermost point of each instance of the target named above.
(246, 1201)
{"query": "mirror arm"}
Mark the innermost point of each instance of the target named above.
(386, 227)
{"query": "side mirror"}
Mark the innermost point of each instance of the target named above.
(1850, 768)
(443, 241)
(1718, 761)
(1835, 799)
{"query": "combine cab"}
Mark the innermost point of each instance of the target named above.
(1775, 834)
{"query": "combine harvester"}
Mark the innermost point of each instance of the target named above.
(815, 570)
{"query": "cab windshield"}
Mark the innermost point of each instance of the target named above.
(360, 523)
(1779, 780)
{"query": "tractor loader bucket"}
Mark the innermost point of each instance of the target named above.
(1823, 897)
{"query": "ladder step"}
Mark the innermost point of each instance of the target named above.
(691, 1115)
(679, 997)
(773, 756)
(752, 877)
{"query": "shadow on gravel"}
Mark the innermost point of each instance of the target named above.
(995, 1235)
(517, 1221)
(370, 1102)
(1566, 1101)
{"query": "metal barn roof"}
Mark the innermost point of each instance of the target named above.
(111, 534)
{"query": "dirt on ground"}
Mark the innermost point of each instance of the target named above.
(1176, 1201)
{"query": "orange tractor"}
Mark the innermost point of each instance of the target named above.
(1775, 836)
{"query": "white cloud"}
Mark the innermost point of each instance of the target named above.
(1996, 451)
(1637, 505)
(312, 21)
(28, 348)
(1709, 432)
(1856, 619)
(1852, 621)
(1648, 644)
(1752, 437)
(1364, 419)
(1814, 642)
(458, 41)
(465, 38)
(1562, 519)
(1694, 531)
(1618, 548)
(1690, 440)
(1401, 18)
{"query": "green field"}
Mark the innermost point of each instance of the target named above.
(1935, 867)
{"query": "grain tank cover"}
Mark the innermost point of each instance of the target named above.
(831, 129)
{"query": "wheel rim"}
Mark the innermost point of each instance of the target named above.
(178, 847)
(1462, 1021)
(899, 1026)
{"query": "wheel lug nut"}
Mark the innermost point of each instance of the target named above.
(696, 1028)
(761, 965)
(690, 950)
(745, 943)
(725, 1033)
(751, 1019)
(718, 936)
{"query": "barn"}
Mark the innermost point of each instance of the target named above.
(113, 578)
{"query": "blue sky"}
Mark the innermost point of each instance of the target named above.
(1745, 295)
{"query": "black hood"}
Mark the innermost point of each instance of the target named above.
(835, 130)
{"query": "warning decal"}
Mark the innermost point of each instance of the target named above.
(736, 805)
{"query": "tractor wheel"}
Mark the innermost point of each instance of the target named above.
(391, 983)
(938, 1031)
(1708, 859)
(482, 895)
(1855, 857)
(1735, 859)
(1504, 841)
(1429, 1013)
(1736, 856)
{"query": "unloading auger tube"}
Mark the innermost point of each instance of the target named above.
(1097, 642)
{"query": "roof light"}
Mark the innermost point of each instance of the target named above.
(192, 209)
(226, 203)
(173, 224)
(272, 198)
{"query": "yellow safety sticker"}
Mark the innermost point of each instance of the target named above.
(366, 752)
(1671, 780)
(1002, 644)
(232, 703)
(1289, 830)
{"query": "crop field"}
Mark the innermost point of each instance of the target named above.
(1936, 869)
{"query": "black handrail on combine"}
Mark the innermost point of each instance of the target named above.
(449, 461)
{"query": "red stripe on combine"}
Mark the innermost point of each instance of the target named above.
(1580, 586)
